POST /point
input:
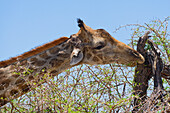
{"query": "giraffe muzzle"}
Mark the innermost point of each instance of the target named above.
(140, 59)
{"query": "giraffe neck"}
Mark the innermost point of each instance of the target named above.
(15, 79)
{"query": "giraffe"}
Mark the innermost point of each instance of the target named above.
(88, 46)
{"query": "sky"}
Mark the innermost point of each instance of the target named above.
(25, 24)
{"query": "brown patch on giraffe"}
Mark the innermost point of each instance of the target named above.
(12, 67)
(55, 62)
(34, 59)
(25, 88)
(100, 56)
(120, 46)
(15, 75)
(33, 51)
(88, 55)
(95, 59)
(94, 51)
(85, 40)
(63, 55)
(105, 62)
(67, 46)
(23, 62)
(1, 72)
(14, 92)
(104, 57)
(54, 50)
(39, 63)
(45, 56)
(5, 84)
(105, 34)
(20, 81)
(2, 76)
(111, 60)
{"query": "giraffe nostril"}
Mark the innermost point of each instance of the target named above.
(135, 53)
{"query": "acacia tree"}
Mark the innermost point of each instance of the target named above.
(102, 88)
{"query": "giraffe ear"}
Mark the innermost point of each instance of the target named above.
(76, 56)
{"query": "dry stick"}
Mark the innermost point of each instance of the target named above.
(157, 66)
(143, 73)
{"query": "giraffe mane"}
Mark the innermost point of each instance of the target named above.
(33, 52)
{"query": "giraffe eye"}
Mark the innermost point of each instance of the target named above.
(100, 46)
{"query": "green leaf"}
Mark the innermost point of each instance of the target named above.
(168, 51)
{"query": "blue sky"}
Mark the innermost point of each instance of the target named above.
(25, 24)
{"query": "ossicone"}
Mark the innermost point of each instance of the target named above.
(80, 23)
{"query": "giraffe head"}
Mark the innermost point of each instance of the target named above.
(99, 47)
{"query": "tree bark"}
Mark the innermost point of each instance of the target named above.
(143, 73)
(152, 67)
(157, 66)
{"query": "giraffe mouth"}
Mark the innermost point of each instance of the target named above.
(142, 59)
(139, 58)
